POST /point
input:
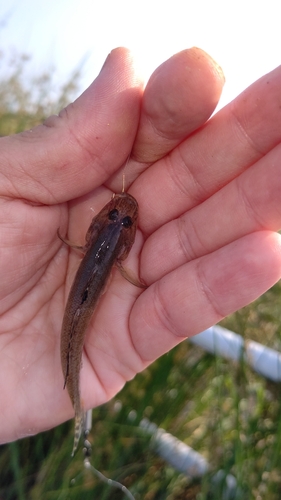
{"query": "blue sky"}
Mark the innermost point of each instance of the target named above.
(243, 36)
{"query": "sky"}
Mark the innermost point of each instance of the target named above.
(243, 36)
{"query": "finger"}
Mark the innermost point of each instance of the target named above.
(231, 141)
(199, 294)
(249, 203)
(179, 97)
(74, 152)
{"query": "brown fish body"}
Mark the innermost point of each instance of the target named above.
(108, 241)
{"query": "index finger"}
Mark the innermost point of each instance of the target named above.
(231, 141)
(179, 97)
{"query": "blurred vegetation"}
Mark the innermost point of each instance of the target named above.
(221, 409)
(26, 102)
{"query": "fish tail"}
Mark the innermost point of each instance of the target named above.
(79, 419)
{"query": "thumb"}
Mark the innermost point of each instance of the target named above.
(74, 152)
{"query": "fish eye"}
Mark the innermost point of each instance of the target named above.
(127, 221)
(113, 214)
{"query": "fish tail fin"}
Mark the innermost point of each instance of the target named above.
(79, 421)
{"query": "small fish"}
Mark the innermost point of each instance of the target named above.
(109, 240)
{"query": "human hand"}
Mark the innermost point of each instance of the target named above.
(55, 174)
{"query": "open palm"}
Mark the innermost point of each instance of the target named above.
(209, 206)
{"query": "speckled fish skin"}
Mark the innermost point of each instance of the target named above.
(109, 239)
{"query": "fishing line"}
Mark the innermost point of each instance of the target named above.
(87, 451)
